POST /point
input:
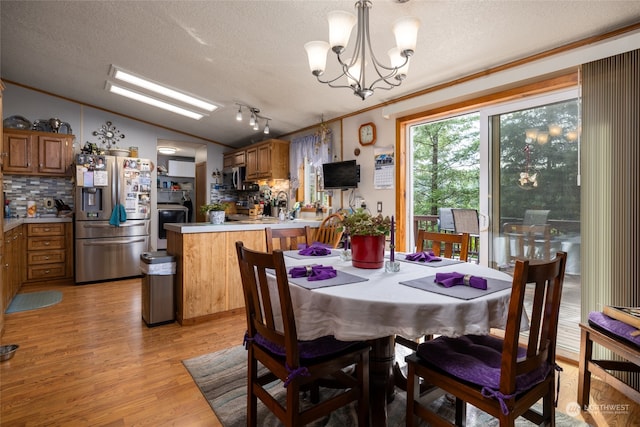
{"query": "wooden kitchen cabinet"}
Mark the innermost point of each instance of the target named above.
(233, 159)
(49, 251)
(12, 263)
(268, 160)
(36, 153)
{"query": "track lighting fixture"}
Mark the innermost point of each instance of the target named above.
(254, 119)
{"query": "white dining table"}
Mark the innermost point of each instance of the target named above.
(379, 307)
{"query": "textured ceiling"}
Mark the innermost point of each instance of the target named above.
(252, 51)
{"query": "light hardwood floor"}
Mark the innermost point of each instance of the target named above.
(90, 360)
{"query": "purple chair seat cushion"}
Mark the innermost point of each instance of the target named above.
(614, 327)
(476, 359)
(319, 348)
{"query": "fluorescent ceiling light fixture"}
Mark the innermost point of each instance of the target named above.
(166, 150)
(152, 101)
(130, 78)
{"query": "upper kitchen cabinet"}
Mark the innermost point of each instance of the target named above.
(36, 153)
(268, 160)
(233, 159)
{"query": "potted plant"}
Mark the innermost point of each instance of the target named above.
(215, 211)
(367, 234)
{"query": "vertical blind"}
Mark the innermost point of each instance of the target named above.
(610, 183)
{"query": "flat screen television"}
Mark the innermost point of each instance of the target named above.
(341, 175)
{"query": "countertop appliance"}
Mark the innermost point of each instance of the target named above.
(169, 213)
(108, 248)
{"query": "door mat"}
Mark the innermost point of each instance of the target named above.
(33, 300)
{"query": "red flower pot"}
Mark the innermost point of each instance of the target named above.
(367, 251)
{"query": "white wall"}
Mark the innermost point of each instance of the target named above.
(84, 120)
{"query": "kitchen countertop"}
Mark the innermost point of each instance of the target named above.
(247, 225)
(11, 223)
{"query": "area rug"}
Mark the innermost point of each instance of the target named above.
(221, 377)
(33, 300)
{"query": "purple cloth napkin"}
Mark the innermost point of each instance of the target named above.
(422, 257)
(452, 279)
(314, 272)
(316, 249)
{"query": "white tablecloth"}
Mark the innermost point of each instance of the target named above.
(382, 307)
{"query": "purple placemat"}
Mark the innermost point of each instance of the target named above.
(341, 279)
(435, 264)
(462, 292)
(296, 255)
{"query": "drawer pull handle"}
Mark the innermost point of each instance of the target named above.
(47, 271)
(47, 243)
(47, 229)
(46, 257)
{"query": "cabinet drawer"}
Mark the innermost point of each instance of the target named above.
(45, 257)
(40, 243)
(48, 271)
(48, 229)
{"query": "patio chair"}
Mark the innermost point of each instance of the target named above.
(287, 238)
(499, 376)
(466, 221)
(272, 340)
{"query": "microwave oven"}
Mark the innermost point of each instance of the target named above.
(233, 178)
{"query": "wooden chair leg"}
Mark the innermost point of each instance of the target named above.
(584, 375)
(461, 413)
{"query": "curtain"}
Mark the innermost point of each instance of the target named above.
(316, 147)
(610, 185)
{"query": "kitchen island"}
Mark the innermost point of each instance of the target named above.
(207, 280)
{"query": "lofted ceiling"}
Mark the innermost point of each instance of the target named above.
(252, 51)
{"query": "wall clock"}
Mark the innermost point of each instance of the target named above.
(367, 134)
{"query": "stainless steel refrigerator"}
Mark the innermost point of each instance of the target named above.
(113, 211)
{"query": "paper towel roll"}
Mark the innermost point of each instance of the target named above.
(49, 203)
(31, 209)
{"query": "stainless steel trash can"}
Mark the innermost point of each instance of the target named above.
(158, 274)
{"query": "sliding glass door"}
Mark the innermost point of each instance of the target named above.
(534, 189)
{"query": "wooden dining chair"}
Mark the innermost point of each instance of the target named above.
(503, 377)
(287, 239)
(329, 231)
(444, 244)
(272, 340)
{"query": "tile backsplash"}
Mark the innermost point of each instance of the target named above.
(19, 189)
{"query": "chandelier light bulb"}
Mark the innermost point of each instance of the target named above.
(543, 138)
(571, 135)
(317, 54)
(340, 25)
(239, 114)
(397, 61)
(555, 130)
(406, 32)
(266, 128)
(256, 126)
(252, 120)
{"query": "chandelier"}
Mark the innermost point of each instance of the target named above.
(354, 68)
(254, 120)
